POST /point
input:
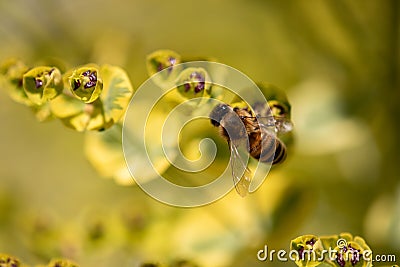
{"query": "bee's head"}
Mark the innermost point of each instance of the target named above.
(218, 113)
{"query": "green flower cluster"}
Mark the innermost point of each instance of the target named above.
(189, 82)
(178, 263)
(89, 97)
(10, 261)
(336, 250)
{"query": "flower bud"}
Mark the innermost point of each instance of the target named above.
(11, 73)
(61, 263)
(85, 83)
(13, 70)
(8, 261)
(162, 59)
(309, 250)
(349, 250)
(42, 84)
(194, 82)
(99, 110)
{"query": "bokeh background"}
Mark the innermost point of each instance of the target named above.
(338, 62)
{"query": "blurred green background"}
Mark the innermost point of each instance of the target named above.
(338, 61)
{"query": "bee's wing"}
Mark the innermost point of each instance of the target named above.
(283, 125)
(240, 173)
(279, 125)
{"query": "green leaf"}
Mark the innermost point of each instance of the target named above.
(117, 92)
(42, 84)
(66, 106)
(42, 112)
(104, 152)
(77, 115)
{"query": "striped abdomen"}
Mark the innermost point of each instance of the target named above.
(271, 149)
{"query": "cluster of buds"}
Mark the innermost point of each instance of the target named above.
(10, 261)
(85, 98)
(62, 263)
(185, 82)
(336, 250)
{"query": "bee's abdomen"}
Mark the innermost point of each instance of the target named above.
(270, 150)
(262, 148)
(280, 152)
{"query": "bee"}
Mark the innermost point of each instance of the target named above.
(257, 130)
